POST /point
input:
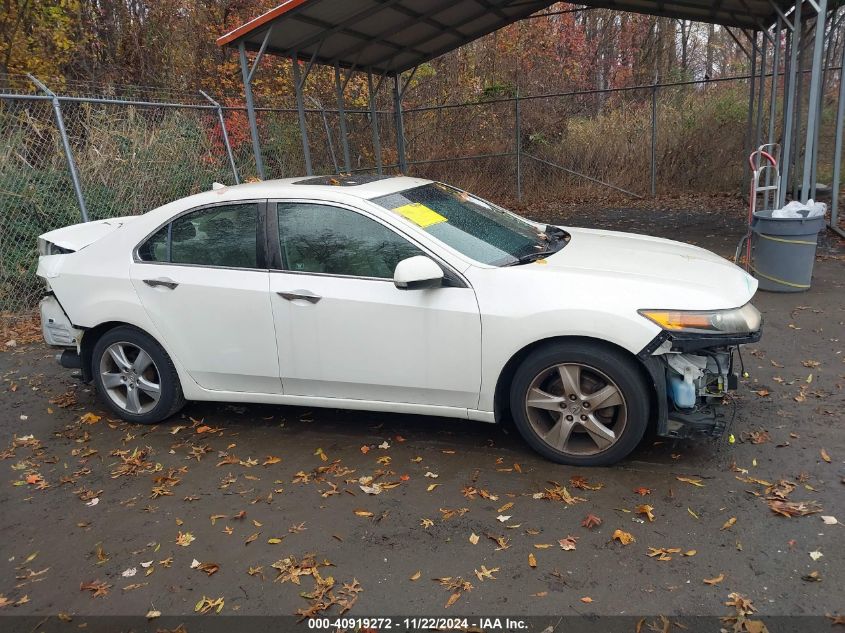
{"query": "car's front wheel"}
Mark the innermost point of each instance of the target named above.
(135, 377)
(580, 403)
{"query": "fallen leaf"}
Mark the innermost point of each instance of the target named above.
(623, 537)
(793, 508)
(828, 520)
(663, 553)
(691, 481)
(473, 538)
(271, 460)
(568, 543)
(185, 539)
(205, 605)
(729, 523)
(251, 538)
(586, 599)
(209, 568)
(532, 561)
(363, 513)
(642, 491)
(690, 552)
(152, 614)
(816, 555)
(487, 574)
(813, 576)
(824, 455)
(431, 487)
(416, 576)
(97, 588)
(714, 581)
(646, 510)
(503, 518)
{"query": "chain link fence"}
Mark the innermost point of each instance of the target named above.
(134, 150)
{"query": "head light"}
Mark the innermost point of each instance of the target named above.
(732, 321)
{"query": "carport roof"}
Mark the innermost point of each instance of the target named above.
(390, 36)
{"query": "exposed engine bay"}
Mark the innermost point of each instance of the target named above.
(693, 381)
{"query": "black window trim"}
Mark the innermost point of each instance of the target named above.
(274, 259)
(261, 237)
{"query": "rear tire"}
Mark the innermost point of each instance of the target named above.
(135, 377)
(580, 403)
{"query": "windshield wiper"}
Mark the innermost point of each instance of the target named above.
(532, 257)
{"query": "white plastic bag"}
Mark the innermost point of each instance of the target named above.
(797, 209)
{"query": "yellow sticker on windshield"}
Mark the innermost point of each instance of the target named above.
(420, 214)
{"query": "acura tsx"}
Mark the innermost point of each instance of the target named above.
(404, 295)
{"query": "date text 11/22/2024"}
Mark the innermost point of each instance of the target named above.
(417, 623)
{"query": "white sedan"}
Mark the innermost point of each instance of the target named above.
(399, 294)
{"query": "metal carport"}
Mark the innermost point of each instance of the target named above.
(384, 38)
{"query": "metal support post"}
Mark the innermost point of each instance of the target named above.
(517, 124)
(71, 164)
(799, 110)
(250, 108)
(374, 121)
(222, 122)
(298, 82)
(811, 147)
(789, 108)
(823, 69)
(837, 150)
(341, 113)
(749, 127)
(400, 125)
(761, 95)
(773, 108)
(654, 139)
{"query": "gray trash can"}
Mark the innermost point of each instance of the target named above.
(783, 251)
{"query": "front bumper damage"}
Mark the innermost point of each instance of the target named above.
(692, 374)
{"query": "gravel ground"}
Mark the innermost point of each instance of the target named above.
(258, 494)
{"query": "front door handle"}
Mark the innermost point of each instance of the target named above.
(306, 295)
(161, 281)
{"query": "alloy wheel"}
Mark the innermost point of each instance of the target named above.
(576, 409)
(130, 378)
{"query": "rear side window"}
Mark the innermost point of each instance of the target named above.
(224, 236)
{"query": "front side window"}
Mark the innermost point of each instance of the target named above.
(318, 238)
(222, 236)
(471, 226)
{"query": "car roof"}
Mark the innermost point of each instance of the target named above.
(322, 187)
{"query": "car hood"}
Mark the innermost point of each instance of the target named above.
(617, 254)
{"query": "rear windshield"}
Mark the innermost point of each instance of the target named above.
(478, 229)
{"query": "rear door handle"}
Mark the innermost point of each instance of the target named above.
(161, 281)
(305, 295)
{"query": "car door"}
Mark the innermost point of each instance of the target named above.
(203, 281)
(344, 330)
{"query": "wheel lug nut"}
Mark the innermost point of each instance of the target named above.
(583, 417)
(569, 418)
(572, 396)
(586, 405)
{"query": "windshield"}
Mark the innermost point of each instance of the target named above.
(478, 229)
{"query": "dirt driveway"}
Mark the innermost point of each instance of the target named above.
(229, 507)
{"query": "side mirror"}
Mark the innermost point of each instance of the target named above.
(416, 273)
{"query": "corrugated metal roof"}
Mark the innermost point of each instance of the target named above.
(390, 36)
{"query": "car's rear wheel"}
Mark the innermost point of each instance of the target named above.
(580, 403)
(135, 377)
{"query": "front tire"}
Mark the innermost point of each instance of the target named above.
(135, 377)
(580, 403)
